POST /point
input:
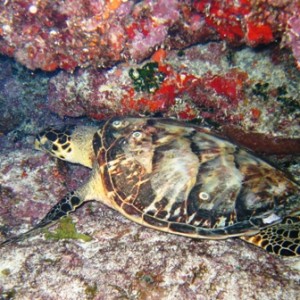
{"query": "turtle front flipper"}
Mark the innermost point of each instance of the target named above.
(67, 205)
(281, 239)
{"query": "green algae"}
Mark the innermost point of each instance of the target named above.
(66, 230)
(5, 272)
(8, 294)
(261, 90)
(91, 291)
(290, 104)
(180, 53)
(147, 79)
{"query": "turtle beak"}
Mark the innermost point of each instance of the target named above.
(41, 143)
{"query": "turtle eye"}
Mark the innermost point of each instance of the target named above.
(137, 134)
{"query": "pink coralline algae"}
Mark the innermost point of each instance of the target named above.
(294, 37)
(66, 34)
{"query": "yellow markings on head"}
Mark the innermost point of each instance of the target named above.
(73, 144)
(55, 142)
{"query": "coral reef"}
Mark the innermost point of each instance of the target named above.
(66, 34)
(206, 82)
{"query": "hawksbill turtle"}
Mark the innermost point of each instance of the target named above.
(178, 178)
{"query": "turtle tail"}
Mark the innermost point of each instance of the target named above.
(281, 239)
(65, 206)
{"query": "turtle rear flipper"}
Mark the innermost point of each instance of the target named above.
(65, 206)
(281, 239)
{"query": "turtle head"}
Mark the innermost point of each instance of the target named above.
(55, 141)
(71, 143)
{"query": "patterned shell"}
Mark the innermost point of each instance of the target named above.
(182, 179)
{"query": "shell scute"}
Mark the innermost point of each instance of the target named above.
(180, 178)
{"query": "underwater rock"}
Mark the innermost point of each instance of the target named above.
(261, 143)
(21, 93)
(123, 259)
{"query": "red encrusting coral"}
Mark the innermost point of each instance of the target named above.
(230, 85)
(259, 33)
(225, 17)
(211, 96)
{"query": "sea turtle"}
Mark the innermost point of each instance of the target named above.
(178, 178)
